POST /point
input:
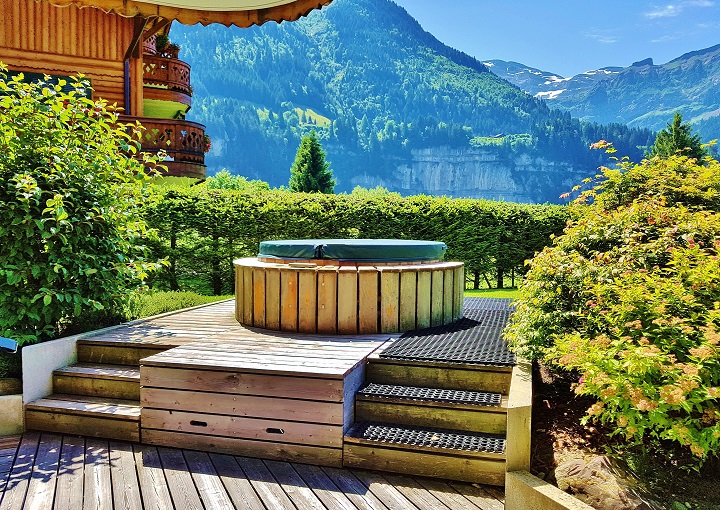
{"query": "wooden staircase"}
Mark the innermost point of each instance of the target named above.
(445, 420)
(99, 396)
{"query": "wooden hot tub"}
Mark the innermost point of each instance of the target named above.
(348, 286)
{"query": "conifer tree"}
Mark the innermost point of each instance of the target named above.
(310, 172)
(676, 138)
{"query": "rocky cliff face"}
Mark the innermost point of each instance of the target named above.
(477, 173)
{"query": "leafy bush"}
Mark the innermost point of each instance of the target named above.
(70, 232)
(629, 298)
(202, 230)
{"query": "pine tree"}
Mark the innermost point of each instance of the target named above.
(310, 172)
(676, 138)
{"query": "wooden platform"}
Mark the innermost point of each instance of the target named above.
(245, 391)
(56, 472)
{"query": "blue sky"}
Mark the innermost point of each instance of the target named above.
(571, 36)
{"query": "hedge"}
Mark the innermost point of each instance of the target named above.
(202, 230)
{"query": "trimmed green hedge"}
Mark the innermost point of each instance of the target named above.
(202, 230)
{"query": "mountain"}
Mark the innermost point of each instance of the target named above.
(387, 100)
(547, 85)
(641, 95)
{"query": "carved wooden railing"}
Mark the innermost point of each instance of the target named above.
(182, 140)
(169, 72)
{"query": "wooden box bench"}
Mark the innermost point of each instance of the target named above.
(288, 399)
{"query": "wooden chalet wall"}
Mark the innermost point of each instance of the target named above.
(38, 37)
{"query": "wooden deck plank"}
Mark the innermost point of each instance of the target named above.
(324, 488)
(236, 483)
(69, 491)
(123, 474)
(244, 383)
(208, 483)
(354, 489)
(153, 486)
(315, 434)
(97, 485)
(441, 490)
(17, 483)
(265, 484)
(415, 492)
(179, 480)
(244, 405)
(480, 496)
(49, 474)
(41, 489)
(389, 495)
(294, 486)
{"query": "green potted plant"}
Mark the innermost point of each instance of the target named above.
(161, 42)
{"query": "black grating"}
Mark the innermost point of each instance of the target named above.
(431, 394)
(476, 339)
(471, 304)
(435, 438)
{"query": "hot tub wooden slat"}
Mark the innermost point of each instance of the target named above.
(247, 295)
(389, 301)
(327, 291)
(408, 299)
(423, 299)
(368, 300)
(288, 300)
(272, 299)
(436, 302)
(459, 292)
(448, 295)
(307, 305)
(258, 276)
(347, 296)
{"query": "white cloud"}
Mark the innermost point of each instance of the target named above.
(602, 36)
(665, 38)
(672, 10)
(666, 11)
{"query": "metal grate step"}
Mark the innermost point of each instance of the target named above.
(476, 339)
(430, 394)
(427, 437)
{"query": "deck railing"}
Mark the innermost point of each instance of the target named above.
(182, 140)
(168, 72)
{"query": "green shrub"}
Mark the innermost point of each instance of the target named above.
(202, 230)
(629, 297)
(70, 232)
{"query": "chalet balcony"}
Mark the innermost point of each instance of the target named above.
(182, 140)
(166, 79)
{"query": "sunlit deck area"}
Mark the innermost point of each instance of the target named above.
(52, 471)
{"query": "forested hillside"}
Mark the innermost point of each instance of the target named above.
(376, 87)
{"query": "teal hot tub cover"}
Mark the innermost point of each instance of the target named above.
(357, 250)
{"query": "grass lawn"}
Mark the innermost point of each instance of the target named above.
(511, 293)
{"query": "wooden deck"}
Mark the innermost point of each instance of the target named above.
(216, 322)
(54, 472)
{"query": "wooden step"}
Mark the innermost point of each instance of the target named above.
(84, 415)
(453, 376)
(98, 380)
(447, 454)
(116, 352)
(426, 407)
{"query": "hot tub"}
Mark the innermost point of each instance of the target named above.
(348, 286)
